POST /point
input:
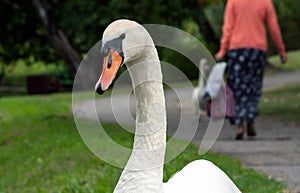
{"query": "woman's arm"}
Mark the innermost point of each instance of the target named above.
(226, 29)
(274, 31)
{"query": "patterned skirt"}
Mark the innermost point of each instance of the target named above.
(245, 68)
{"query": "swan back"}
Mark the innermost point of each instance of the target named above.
(200, 176)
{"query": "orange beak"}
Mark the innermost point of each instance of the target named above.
(112, 62)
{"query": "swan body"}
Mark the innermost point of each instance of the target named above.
(200, 176)
(126, 41)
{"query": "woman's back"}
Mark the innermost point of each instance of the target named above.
(244, 25)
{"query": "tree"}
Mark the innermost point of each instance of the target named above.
(57, 37)
(69, 28)
(18, 36)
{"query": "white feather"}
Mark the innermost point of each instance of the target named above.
(200, 176)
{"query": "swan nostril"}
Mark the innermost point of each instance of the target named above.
(109, 61)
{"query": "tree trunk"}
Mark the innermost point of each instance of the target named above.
(57, 38)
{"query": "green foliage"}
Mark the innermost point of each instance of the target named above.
(214, 13)
(289, 21)
(84, 21)
(191, 27)
(41, 151)
(19, 18)
(15, 73)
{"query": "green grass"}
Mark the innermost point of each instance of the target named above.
(41, 151)
(292, 63)
(283, 103)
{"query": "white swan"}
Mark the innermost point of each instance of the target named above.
(128, 42)
(198, 92)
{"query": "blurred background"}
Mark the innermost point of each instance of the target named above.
(42, 43)
(44, 40)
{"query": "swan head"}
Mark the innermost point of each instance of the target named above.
(123, 42)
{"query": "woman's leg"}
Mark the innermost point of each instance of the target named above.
(244, 77)
(234, 71)
(240, 131)
(255, 66)
(250, 128)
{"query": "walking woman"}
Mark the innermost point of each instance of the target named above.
(244, 40)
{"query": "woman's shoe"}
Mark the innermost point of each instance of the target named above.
(240, 133)
(250, 128)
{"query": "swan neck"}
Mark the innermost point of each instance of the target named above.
(201, 78)
(150, 103)
(144, 169)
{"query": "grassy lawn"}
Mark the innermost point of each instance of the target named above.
(41, 151)
(283, 104)
(292, 63)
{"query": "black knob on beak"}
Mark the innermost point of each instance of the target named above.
(99, 89)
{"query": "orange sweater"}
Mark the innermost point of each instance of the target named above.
(244, 26)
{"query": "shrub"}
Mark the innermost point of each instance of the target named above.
(15, 73)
